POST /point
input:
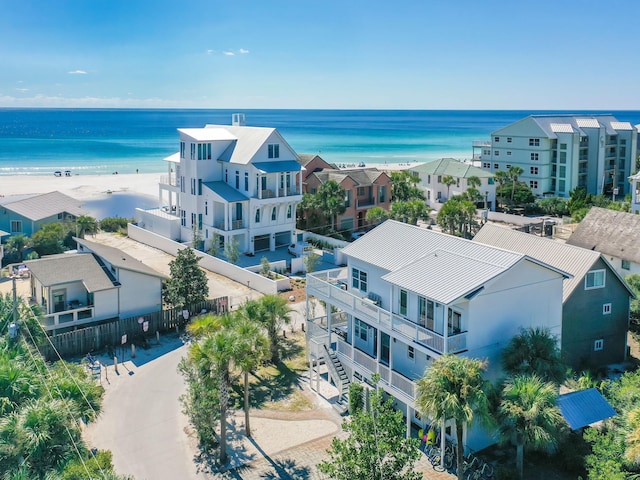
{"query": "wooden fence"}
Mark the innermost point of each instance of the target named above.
(110, 334)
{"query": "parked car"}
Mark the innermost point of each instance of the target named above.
(300, 248)
(57, 173)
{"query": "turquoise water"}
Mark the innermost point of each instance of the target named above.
(40, 141)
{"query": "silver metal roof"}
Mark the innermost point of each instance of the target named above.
(210, 134)
(561, 127)
(118, 258)
(70, 267)
(453, 167)
(621, 125)
(46, 205)
(225, 191)
(584, 407)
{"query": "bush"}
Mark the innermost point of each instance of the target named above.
(356, 402)
(114, 224)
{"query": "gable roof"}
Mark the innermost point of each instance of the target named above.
(360, 176)
(613, 233)
(406, 251)
(37, 207)
(453, 167)
(225, 191)
(71, 267)
(118, 258)
(570, 123)
(569, 258)
(307, 158)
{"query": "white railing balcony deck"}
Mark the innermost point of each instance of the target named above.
(171, 180)
(68, 318)
(481, 143)
(328, 286)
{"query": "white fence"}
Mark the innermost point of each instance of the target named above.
(213, 264)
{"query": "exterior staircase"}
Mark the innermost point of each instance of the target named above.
(340, 379)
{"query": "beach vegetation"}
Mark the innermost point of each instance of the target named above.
(453, 388)
(410, 211)
(449, 181)
(265, 266)
(273, 314)
(232, 251)
(85, 224)
(115, 224)
(215, 248)
(535, 351)
(311, 261)
(48, 240)
(633, 281)
(376, 215)
(457, 216)
(15, 247)
(196, 238)
(330, 199)
(404, 186)
(187, 283)
(376, 446)
(554, 206)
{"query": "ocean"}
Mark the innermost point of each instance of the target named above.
(95, 141)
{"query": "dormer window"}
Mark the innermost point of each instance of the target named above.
(274, 150)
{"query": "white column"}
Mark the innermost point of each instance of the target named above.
(409, 415)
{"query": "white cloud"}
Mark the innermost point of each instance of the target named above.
(243, 51)
(209, 52)
(77, 72)
(22, 89)
(229, 54)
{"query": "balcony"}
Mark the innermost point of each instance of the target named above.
(170, 180)
(365, 202)
(235, 225)
(481, 144)
(66, 318)
(326, 286)
(282, 192)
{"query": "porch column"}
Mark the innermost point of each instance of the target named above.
(378, 350)
(445, 322)
(329, 308)
(409, 415)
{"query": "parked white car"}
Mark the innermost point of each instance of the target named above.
(300, 248)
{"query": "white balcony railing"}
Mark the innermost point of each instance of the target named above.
(68, 317)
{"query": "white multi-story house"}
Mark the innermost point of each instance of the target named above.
(239, 182)
(634, 180)
(409, 295)
(432, 173)
(558, 153)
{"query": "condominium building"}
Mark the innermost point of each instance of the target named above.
(238, 182)
(558, 153)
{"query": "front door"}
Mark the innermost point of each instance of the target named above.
(59, 300)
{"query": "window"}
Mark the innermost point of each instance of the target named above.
(606, 309)
(359, 279)
(486, 165)
(535, 157)
(237, 180)
(496, 153)
(206, 207)
(347, 198)
(246, 181)
(193, 186)
(486, 152)
(226, 176)
(183, 186)
(534, 170)
(193, 151)
(258, 215)
(274, 150)
(626, 265)
(508, 139)
(193, 220)
(508, 152)
(199, 221)
(403, 302)
(594, 279)
(429, 179)
(496, 166)
(598, 345)
(439, 178)
(16, 226)
(454, 322)
(623, 141)
(496, 139)
(289, 209)
(533, 184)
(411, 353)
(563, 146)
(183, 218)
(274, 214)
(360, 191)
(534, 142)
(204, 151)
(563, 157)
(382, 194)
(182, 149)
(508, 166)
(561, 185)
(563, 171)
(361, 330)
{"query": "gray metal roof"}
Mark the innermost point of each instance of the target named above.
(576, 121)
(118, 258)
(278, 166)
(453, 167)
(584, 407)
(225, 191)
(46, 205)
(407, 252)
(613, 233)
(70, 267)
(571, 259)
(208, 134)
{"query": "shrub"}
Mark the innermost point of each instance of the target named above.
(114, 224)
(356, 402)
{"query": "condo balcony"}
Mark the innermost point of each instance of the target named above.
(170, 180)
(365, 202)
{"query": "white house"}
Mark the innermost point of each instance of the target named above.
(409, 295)
(241, 183)
(635, 193)
(432, 173)
(561, 152)
(96, 283)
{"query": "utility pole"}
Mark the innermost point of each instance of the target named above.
(15, 300)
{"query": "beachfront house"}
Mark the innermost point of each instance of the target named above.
(558, 153)
(595, 300)
(614, 234)
(634, 180)
(95, 284)
(435, 191)
(26, 214)
(364, 188)
(234, 183)
(409, 295)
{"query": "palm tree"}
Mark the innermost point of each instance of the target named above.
(330, 200)
(86, 224)
(251, 349)
(448, 180)
(534, 351)
(528, 416)
(514, 172)
(453, 388)
(473, 181)
(275, 314)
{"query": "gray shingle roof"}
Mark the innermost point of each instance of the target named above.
(453, 167)
(70, 267)
(118, 258)
(46, 205)
(406, 252)
(574, 260)
(364, 176)
(613, 233)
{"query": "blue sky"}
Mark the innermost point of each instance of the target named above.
(418, 54)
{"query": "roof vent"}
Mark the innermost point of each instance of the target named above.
(238, 119)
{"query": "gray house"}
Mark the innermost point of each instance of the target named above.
(595, 301)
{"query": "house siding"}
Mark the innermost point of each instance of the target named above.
(139, 293)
